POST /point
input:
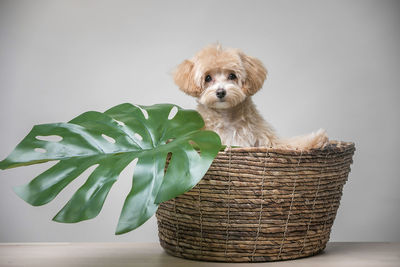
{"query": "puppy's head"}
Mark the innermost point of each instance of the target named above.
(220, 78)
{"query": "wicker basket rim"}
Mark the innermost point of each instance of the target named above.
(334, 146)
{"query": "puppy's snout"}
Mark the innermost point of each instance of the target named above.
(221, 93)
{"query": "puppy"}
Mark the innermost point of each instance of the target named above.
(223, 81)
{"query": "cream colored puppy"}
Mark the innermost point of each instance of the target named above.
(223, 81)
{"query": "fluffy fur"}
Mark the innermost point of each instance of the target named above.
(223, 81)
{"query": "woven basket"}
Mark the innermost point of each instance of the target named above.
(258, 204)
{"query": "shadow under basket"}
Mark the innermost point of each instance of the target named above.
(258, 204)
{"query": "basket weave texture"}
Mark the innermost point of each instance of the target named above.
(258, 204)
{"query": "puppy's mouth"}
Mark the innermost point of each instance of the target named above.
(221, 105)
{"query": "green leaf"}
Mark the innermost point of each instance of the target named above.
(111, 141)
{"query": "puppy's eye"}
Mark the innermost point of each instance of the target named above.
(232, 76)
(208, 79)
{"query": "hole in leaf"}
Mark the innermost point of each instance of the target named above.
(49, 138)
(109, 139)
(172, 113)
(145, 114)
(120, 123)
(75, 184)
(130, 168)
(122, 187)
(40, 150)
(168, 159)
(138, 136)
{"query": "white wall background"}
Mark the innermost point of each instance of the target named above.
(332, 64)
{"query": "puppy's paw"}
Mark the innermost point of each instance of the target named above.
(318, 139)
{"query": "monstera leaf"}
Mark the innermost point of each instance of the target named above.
(152, 135)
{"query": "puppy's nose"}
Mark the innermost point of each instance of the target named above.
(221, 93)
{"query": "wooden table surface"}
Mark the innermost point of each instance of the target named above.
(151, 254)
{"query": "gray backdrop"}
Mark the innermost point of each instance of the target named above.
(332, 64)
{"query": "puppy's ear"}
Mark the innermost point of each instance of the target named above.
(184, 78)
(256, 74)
